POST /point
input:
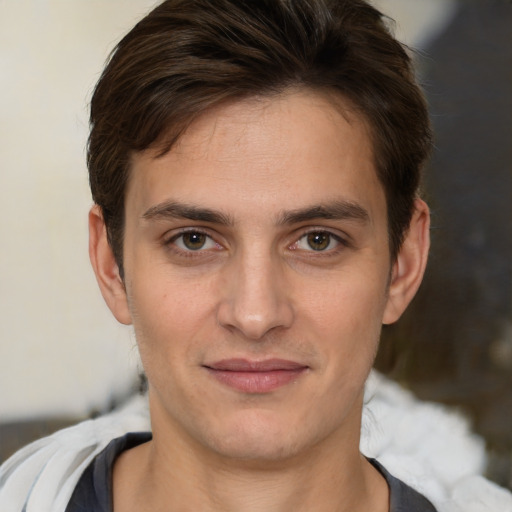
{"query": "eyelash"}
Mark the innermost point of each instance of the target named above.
(341, 242)
(189, 253)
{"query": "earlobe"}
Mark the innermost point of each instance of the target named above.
(105, 267)
(410, 264)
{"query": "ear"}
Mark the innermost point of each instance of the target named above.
(409, 266)
(105, 267)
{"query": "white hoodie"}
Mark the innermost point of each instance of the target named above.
(427, 446)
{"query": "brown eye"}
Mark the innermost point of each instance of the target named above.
(194, 241)
(318, 240)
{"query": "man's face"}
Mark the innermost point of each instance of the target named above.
(256, 269)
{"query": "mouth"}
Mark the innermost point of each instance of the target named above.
(256, 376)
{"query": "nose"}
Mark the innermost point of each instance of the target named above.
(255, 299)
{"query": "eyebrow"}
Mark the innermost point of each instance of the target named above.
(335, 210)
(177, 210)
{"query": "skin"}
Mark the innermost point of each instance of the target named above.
(285, 256)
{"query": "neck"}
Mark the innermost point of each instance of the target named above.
(329, 476)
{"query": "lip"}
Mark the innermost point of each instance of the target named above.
(256, 376)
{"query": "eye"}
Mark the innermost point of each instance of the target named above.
(317, 241)
(193, 241)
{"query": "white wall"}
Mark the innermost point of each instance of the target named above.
(60, 350)
(418, 21)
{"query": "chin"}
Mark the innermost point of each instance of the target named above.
(256, 438)
(256, 448)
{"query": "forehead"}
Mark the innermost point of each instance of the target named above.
(281, 151)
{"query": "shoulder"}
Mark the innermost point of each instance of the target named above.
(94, 490)
(42, 476)
(426, 446)
(403, 498)
(430, 448)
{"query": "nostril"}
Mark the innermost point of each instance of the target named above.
(254, 319)
(253, 297)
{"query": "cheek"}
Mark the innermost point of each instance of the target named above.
(352, 301)
(169, 313)
(346, 319)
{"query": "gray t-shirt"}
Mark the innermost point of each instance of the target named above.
(93, 492)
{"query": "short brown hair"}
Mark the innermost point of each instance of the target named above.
(189, 55)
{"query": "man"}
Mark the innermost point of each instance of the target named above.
(255, 169)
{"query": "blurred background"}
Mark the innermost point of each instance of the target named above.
(63, 357)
